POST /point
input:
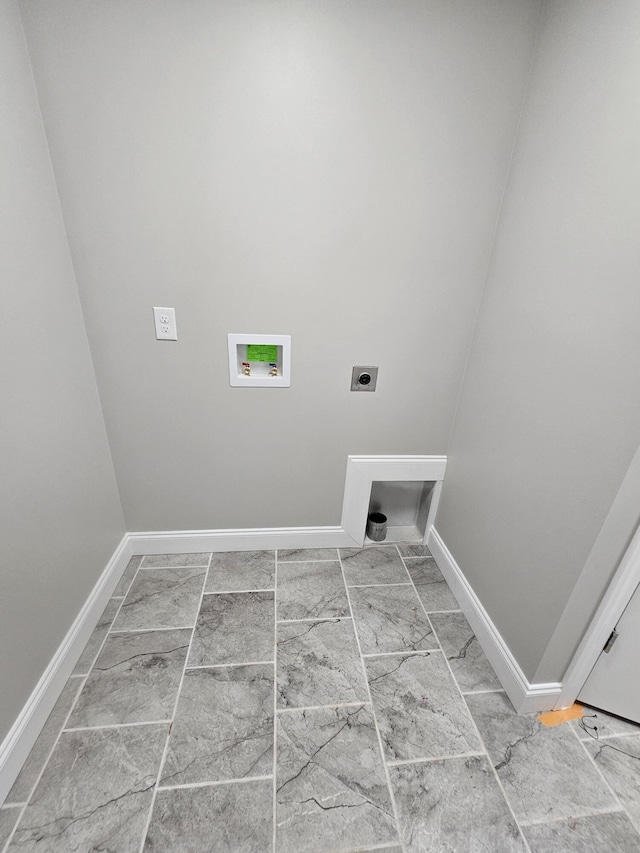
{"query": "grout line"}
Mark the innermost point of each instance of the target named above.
(117, 632)
(12, 806)
(316, 619)
(475, 726)
(215, 783)
(588, 738)
(152, 630)
(573, 817)
(501, 786)
(238, 592)
(412, 556)
(497, 777)
(108, 631)
(482, 692)
(323, 560)
(418, 557)
(234, 591)
(312, 619)
(407, 653)
(199, 566)
(163, 757)
(44, 766)
(225, 665)
(133, 577)
(396, 814)
(367, 585)
(274, 810)
(437, 612)
(168, 568)
(5, 845)
(319, 560)
(427, 759)
(118, 726)
(323, 707)
(599, 771)
(392, 845)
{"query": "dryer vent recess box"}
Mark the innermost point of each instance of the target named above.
(259, 361)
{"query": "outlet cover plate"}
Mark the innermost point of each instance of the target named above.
(165, 323)
(357, 375)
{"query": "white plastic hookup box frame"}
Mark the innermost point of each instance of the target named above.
(260, 371)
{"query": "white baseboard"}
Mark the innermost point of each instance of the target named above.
(258, 539)
(525, 697)
(17, 744)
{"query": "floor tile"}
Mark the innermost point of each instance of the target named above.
(390, 619)
(468, 662)
(8, 819)
(610, 832)
(95, 793)
(318, 664)
(90, 651)
(311, 590)
(618, 759)
(234, 628)
(331, 787)
(36, 759)
(223, 727)
(364, 566)
(453, 805)
(241, 571)
(235, 818)
(104, 803)
(127, 576)
(161, 598)
(306, 554)
(413, 549)
(431, 585)
(543, 770)
(167, 561)
(419, 709)
(597, 724)
(135, 679)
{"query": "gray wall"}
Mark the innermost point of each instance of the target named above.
(549, 415)
(327, 170)
(333, 171)
(60, 518)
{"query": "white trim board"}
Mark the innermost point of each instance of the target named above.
(23, 734)
(525, 696)
(363, 471)
(257, 539)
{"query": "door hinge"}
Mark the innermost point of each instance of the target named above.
(610, 642)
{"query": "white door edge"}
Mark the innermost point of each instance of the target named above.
(617, 596)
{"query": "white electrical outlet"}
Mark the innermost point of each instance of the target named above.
(165, 320)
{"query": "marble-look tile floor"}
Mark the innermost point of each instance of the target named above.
(308, 702)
